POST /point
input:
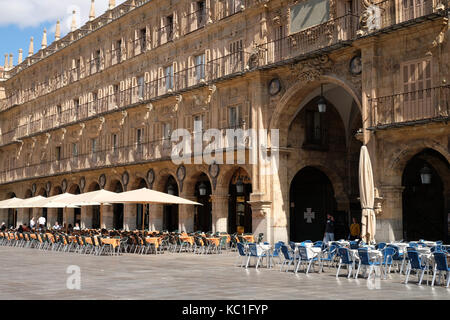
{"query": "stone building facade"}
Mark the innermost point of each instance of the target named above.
(96, 108)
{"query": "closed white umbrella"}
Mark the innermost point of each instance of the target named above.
(367, 197)
(58, 201)
(10, 203)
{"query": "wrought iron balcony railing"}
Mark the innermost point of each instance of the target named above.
(411, 107)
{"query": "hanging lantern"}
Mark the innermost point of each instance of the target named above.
(425, 175)
(322, 104)
(171, 190)
(202, 189)
(240, 186)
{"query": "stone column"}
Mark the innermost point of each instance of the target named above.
(22, 216)
(186, 215)
(390, 221)
(107, 217)
(156, 217)
(70, 216)
(86, 217)
(261, 217)
(52, 216)
(129, 217)
(219, 212)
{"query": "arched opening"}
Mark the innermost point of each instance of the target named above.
(311, 199)
(118, 208)
(142, 220)
(239, 211)
(170, 212)
(424, 204)
(95, 210)
(75, 189)
(12, 214)
(203, 214)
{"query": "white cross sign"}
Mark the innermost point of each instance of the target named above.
(309, 215)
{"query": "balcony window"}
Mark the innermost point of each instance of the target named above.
(115, 143)
(233, 117)
(118, 51)
(141, 84)
(307, 14)
(143, 39)
(74, 150)
(169, 27)
(58, 153)
(168, 75)
(201, 13)
(199, 67)
(167, 128)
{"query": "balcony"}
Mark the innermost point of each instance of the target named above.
(328, 34)
(157, 150)
(164, 34)
(420, 106)
(196, 20)
(229, 7)
(407, 11)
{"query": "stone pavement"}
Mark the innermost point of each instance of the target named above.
(34, 274)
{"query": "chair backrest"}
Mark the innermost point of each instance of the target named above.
(303, 253)
(441, 261)
(388, 253)
(413, 245)
(318, 244)
(437, 248)
(285, 251)
(292, 245)
(260, 237)
(345, 255)
(252, 249)
(223, 241)
(332, 250)
(396, 255)
(354, 245)
(363, 254)
(414, 259)
(380, 245)
(241, 249)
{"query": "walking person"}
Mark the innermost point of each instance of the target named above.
(329, 229)
(41, 223)
(32, 223)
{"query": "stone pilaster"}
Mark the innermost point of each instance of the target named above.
(389, 222)
(186, 215)
(107, 217)
(261, 218)
(219, 212)
(86, 217)
(129, 217)
(156, 217)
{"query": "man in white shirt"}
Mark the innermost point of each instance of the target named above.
(56, 226)
(32, 223)
(41, 223)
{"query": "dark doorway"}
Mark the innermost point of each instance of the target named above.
(170, 213)
(142, 211)
(424, 215)
(77, 211)
(95, 210)
(203, 214)
(239, 211)
(118, 209)
(12, 215)
(311, 199)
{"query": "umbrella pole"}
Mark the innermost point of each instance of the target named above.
(101, 214)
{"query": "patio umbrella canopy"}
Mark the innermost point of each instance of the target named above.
(367, 195)
(10, 203)
(58, 201)
(29, 203)
(94, 198)
(147, 196)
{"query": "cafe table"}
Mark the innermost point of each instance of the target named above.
(187, 238)
(153, 240)
(249, 238)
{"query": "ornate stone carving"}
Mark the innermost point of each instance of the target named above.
(311, 70)
(440, 38)
(369, 19)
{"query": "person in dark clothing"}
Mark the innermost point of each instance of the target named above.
(3, 227)
(329, 229)
(20, 229)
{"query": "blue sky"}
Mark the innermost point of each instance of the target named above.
(22, 19)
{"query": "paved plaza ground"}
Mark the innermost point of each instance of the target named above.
(34, 274)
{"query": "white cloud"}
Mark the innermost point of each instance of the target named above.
(32, 13)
